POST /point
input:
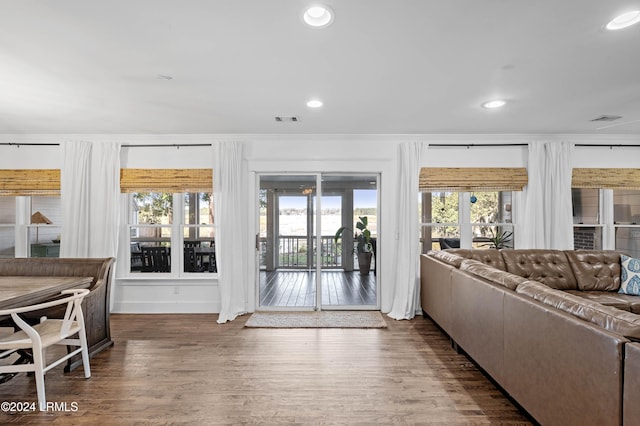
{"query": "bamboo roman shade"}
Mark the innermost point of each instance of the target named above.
(166, 180)
(606, 178)
(472, 179)
(30, 182)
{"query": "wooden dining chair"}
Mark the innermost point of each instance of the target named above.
(155, 259)
(47, 333)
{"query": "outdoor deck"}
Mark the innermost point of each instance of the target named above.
(297, 288)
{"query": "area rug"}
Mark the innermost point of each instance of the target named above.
(320, 319)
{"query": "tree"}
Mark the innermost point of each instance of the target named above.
(154, 207)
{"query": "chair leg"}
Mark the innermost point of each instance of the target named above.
(39, 362)
(85, 353)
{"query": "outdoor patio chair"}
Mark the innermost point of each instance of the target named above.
(155, 259)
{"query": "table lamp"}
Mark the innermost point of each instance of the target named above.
(39, 218)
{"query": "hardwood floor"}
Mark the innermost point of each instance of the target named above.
(289, 288)
(168, 369)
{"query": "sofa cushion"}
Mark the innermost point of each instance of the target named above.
(620, 322)
(626, 302)
(595, 270)
(491, 274)
(446, 257)
(550, 267)
(630, 275)
(489, 257)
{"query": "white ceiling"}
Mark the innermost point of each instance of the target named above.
(409, 66)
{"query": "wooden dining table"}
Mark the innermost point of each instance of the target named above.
(29, 290)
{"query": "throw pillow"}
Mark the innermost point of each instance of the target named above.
(629, 275)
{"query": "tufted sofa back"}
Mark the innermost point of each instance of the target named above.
(550, 267)
(595, 270)
(489, 257)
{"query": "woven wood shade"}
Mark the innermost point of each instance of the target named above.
(472, 179)
(606, 178)
(166, 180)
(29, 182)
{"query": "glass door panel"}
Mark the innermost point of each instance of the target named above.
(287, 274)
(302, 265)
(350, 282)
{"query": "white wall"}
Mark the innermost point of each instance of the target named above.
(291, 154)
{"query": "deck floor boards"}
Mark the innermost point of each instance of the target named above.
(290, 288)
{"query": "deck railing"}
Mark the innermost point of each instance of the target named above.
(293, 252)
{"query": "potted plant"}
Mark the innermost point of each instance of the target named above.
(499, 240)
(364, 248)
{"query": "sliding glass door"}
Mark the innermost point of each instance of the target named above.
(302, 264)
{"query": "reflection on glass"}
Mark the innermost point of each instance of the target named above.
(626, 206)
(586, 206)
(7, 242)
(587, 238)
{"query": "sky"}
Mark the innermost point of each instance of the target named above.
(362, 198)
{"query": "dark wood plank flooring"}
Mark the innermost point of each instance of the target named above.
(290, 288)
(186, 369)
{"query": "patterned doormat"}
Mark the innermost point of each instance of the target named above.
(319, 319)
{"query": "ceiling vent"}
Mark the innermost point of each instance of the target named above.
(290, 119)
(606, 118)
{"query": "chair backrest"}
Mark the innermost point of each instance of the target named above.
(72, 313)
(155, 259)
(190, 260)
(449, 243)
(192, 243)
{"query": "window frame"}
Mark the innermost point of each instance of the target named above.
(176, 239)
(464, 224)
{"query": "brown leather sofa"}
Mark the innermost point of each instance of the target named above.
(548, 326)
(95, 306)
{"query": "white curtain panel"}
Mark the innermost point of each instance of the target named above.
(530, 222)
(104, 220)
(557, 190)
(230, 194)
(407, 254)
(75, 197)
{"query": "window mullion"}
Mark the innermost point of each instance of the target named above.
(606, 218)
(466, 233)
(177, 237)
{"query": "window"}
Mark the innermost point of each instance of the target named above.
(44, 230)
(606, 202)
(7, 226)
(439, 215)
(171, 219)
(587, 228)
(30, 213)
(160, 229)
(626, 219)
(489, 222)
(468, 207)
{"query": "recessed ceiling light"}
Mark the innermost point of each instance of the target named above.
(314, 103)
(318, 16)
(625, 20)
(497, 103)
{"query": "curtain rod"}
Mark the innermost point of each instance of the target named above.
(17, 144)
(469, 145)
(175, 145)
(608, 145)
